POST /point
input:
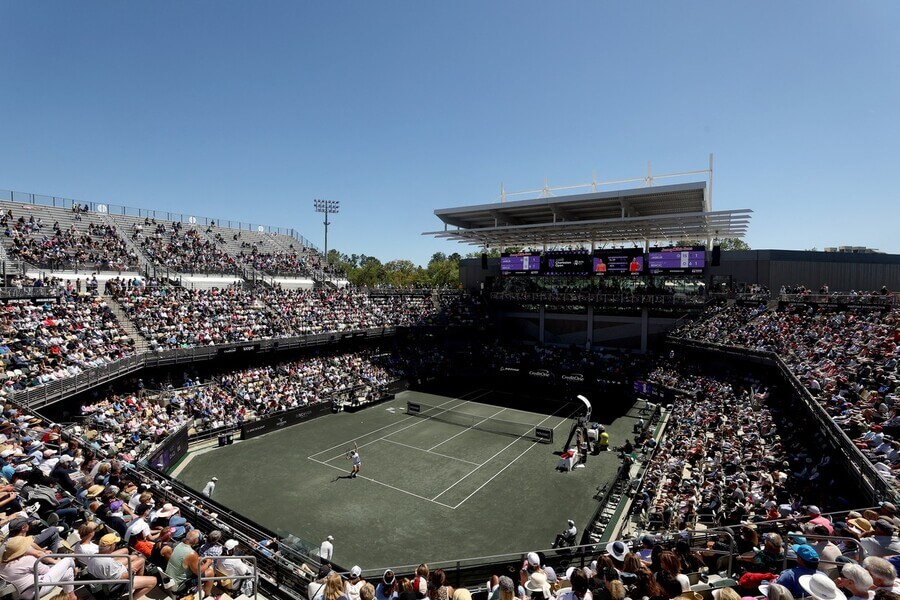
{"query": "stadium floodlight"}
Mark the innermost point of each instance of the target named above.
(329, 207)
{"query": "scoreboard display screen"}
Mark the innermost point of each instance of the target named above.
(567, 263)
(644, 388)
(618, 262)
(520, 263)
(677, 260)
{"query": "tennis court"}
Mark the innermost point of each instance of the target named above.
(464, 478)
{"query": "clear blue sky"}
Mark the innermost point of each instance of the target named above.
(249, 110)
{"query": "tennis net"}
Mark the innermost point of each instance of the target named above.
(463, 419)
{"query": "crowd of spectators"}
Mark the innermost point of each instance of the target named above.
(184, 251)
(130, 424)
(52, 339)
(291, 264)
(848, 360)
(172, 317)
(98, 246)
(270, 389)
(63, 496)
(730, 455)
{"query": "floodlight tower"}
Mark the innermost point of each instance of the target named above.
(329, 207)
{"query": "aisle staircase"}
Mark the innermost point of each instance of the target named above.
(140, 342)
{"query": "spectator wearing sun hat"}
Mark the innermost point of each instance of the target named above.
(538, 587)
(807, 564)
(882, 541)
(821, 587)
(18, 566)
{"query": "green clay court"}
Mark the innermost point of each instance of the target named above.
(427, 489)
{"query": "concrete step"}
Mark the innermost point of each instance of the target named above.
(140, 342)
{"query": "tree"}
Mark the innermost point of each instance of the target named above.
(437, 257)
(729, 244)
(401, 273)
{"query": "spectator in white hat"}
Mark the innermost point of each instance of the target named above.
(354, 583)
(235, 567)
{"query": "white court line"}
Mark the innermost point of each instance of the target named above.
(344, 444)
(504, 468)
(418, 420)
(430, 452)
(387, 485)
(492, 458)
(467, 428)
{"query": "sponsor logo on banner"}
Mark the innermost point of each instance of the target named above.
(509, 370)
(573, 377)
(540, 373)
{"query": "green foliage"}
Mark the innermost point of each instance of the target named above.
(362, 270)
(734, 244)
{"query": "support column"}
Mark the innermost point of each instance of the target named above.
(541, 326)
(645, 326)
(590, 327)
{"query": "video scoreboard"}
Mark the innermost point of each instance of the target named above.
(677, 260)
(623, 262)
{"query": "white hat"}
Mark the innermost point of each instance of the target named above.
(821, 587)
(537, 582)
(533, 559)
(618, 550)
(330, 538)
(231, 544)
(215, 478)
(167, 510)
(355, 571)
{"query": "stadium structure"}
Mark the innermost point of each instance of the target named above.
(168, 354)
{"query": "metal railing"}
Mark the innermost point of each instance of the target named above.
(599, 298)
(254, 574)
(54, 391)
(39, 584)
(42, 395)
(116, 209)
(30, 292)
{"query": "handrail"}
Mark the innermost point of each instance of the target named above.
(254, 575)
(601, 298)
(38, 584)
(116, 209)
(41, 395)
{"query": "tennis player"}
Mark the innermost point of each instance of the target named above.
(353, 456)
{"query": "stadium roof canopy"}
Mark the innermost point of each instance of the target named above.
(662, 213)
